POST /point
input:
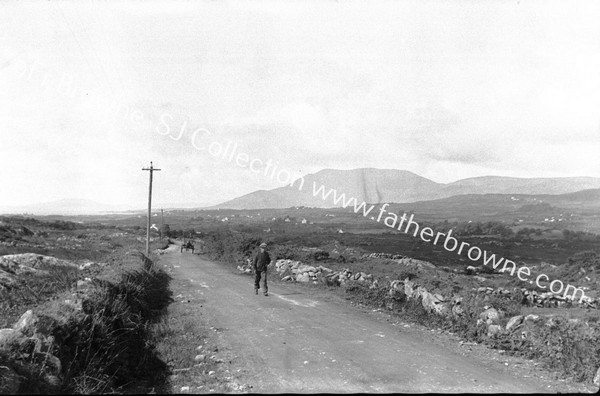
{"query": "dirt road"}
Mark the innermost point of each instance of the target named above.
(292, 342)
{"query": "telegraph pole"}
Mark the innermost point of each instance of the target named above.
(151, 169)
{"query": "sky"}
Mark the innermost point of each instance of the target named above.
(92, 91)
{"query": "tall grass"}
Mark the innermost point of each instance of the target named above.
(111, 348)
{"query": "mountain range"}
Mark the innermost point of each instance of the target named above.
(391, 185)
(65, 207)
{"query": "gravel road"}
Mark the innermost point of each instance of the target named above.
(295, 340)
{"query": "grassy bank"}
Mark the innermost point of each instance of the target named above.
(96, 340)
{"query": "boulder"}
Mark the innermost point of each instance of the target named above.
(8, 336)
(490, 316)
(597, 378)
(442, 308)
(457, 310)
(408, 288)
(514, 322)
(200, 358)
(303, 277)
(306, 268)
(532, 318)
(471, 270)
(427, 300)
(438, 298)
(494, 330)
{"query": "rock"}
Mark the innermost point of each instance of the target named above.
(532, 318)
(491, 315)
(199, 348)
(457, 310)
(374, 285)
(597, 377)
(211, 373)
(54, 362)
(471, 270)
(303, 278)
(438, 298)
(408, 288)
(494, 330)
(286, 278)
(396, 293)
(10, 382)
(26, 323)
(8, 336)
(89, 264)
(514, 322)
(306, 268)
(442, 309)
(199, 358)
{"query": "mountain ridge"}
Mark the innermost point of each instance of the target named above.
(373, 185)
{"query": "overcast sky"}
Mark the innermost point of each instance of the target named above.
(91, 92)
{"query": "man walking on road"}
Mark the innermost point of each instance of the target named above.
(261, 261)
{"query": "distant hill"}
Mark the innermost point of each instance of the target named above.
(390, 185)
(65, 207)
(369, 185)
(479, 206)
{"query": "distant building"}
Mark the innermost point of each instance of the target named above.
(304, 221)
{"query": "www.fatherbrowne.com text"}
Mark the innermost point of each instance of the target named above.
(230, 153)
(450, 243)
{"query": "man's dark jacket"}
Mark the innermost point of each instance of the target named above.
(261, 261)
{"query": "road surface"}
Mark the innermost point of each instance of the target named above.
(295, 341)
